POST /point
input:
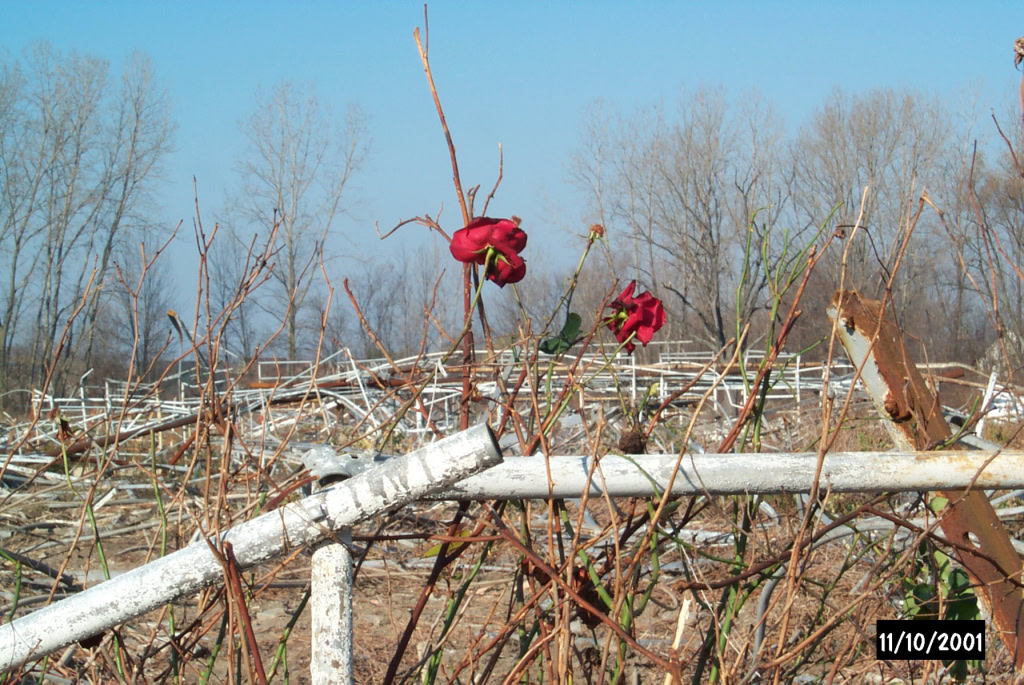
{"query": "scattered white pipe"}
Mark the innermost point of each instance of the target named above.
(425, 472)
(308, 521)
(732, 474)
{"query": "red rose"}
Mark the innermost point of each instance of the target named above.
(642, 315)
(495, 242)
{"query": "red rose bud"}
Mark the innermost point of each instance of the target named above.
(501, 239)
(643, 315)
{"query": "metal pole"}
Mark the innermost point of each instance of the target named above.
(737, 474)
(331, 601)
(986, 404)
(188, 570)
(719, 474)
(331, 605)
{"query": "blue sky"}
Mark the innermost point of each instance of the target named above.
(520, 73)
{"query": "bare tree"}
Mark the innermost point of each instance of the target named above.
(402, 300)
(684, 189)
(299, 163)
(957, 323)
(231, 262)
(616, 167)
(889, 142)
(139, 135)
(135, 315)
(22, 177)
(994, 247)
(76, 158)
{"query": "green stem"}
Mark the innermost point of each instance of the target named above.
(17, 586)
(205, 677)
(567, 296)
(453, 609)
(281, 655)
(159, 500)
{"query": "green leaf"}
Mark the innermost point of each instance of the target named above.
(452, 546)
(565, 339)
(553, 346)
(944, 565)
(959, 582)
(571, 329)
(921, 602)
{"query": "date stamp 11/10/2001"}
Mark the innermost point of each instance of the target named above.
(930, 639)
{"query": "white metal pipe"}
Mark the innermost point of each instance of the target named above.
(310, 520)
(720, 474)
(986, 404)
(331, 607)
